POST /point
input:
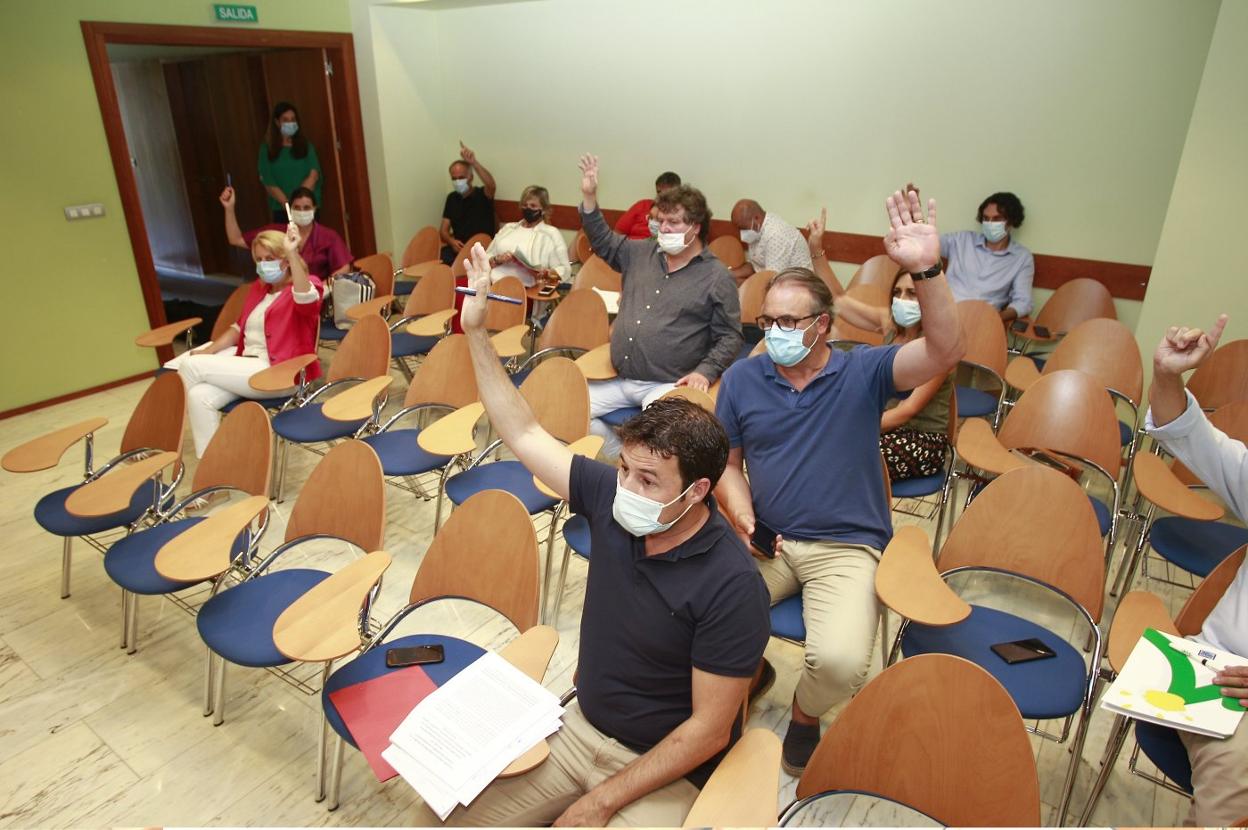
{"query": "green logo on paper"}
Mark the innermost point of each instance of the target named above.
(235, 14)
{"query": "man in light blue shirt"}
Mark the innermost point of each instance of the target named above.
(988, 264)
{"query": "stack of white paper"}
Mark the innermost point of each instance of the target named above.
(468, 730)
(611, 298)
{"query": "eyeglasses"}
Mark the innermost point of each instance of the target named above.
(784, 323)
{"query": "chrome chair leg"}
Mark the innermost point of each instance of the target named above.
(209, 665)
(1076, 752)
(1117, 736)
(335, 781)
(218, 697)
(132, 625)
(66, 556)
(281, 473)
(125, 617)
(563, 576)
(322, 740)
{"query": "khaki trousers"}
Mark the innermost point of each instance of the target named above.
(840, 610)
(580, 759)
(1219, 777)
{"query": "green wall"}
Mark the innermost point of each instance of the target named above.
(72, 299)
(1200, 267)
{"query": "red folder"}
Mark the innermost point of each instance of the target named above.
(373, 709)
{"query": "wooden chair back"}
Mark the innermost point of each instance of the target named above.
(1069, 412)
(457, 267)
(159, 419)
(231, 311)
(1036, 522)
(559, 397)
(1208, 593)
(381, 268)
(364, 352)
(751, 293)
(344, 497)
(1232, 419)
(1106, 350)
(487, 552)
(983, 335)
(499, 315)
(595, 273)
(842, 330)
(872, 283)
(728, 250)
(435, 291)
(425, 245)
(1075, 302)
(1223, 377)
(580, 321)
(240, 453)
(445, 375)
(581, 251)
(939, 734)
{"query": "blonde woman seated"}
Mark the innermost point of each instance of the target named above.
(530, 249)
(280, 320)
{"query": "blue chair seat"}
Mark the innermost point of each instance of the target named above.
(458, 655)
(1125, 433)
(273, 404)
(306, 425)
(786, 619)
(1039, 361)
(131, 562)
(1195, 546)
(974, 403)
(238, 623)
(331, 332)
(1104, 515)
(913, 488)
(1162, 746)
(400, 454)
(576, 534)
(1048, 688)
(617, 417)
(403, 287)
(52, 516)
(403, 344)
(500, 475)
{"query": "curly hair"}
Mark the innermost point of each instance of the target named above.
(1008, 204)
(681, 428)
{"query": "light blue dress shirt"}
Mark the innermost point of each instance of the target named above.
(1001, 278)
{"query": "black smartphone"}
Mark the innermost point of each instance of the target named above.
(1019, 326)
(1042, 331)
(764, 540)
(1023, 651)
(397, 658)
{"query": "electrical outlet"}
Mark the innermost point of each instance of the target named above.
(92, 211)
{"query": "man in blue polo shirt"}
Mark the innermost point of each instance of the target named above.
(675, 617)
(805, 420)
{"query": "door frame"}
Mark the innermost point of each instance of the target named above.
(340, 46)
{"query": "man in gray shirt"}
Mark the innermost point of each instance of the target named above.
(680, 319)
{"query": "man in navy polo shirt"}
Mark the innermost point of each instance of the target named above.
(805, 419)
(675, 617)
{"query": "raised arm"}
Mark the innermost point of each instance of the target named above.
(914, 244)
(1180, 350)
(509, 413)
(487, 179)
(819, 258)
(233, 232)
(606, 243)
(299, 281)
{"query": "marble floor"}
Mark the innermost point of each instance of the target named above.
(92, 736)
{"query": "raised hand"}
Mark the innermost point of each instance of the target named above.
(227, 198)
(477, 268)
(1183, 348)
(292, 240)
(911, 242)
(815, 230)
(466, 154)
(589, 174)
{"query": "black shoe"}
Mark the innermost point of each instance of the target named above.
(765, 681)
(799, 744)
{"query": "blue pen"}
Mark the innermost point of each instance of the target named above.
(502, 298)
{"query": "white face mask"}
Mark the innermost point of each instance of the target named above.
(461, 186)
(749, 236)
(906, 313)
(673, 243)
(270, 270)
(640, 515)
(994, 231)
(303, 218)
(289, 128)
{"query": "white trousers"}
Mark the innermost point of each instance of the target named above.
(212, 381)
(618, 393)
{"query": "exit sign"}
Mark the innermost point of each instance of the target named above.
(234, 14)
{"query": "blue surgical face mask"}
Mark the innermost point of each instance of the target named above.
(993, 231)
(270, 270)
(654, 226)
(640, 515)
(906, 312)
(289, 128)
(787, 348)
(749, 235)
(461, 186)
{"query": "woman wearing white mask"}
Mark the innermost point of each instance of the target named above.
(530, 249)
(322, 249)
(913, 429)
(280, 320)
(287, 160)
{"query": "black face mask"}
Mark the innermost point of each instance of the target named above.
(532, 214)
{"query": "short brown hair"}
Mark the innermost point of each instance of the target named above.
(694, 203)
(681, 428)
(815, 287)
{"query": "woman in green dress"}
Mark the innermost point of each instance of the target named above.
(287, 161)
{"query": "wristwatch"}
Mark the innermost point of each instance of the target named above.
(934, 271)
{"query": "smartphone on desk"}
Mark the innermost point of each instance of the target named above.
(397, 658)
(1043, 331)
(763, 540)
(1019, 326)
(1023, 651)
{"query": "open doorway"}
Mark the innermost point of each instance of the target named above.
(186, 110)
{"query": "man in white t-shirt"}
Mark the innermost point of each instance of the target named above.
(1219, 766)
(772, 243)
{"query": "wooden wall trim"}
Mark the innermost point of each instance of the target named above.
(81, 393)
(1124, 280)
